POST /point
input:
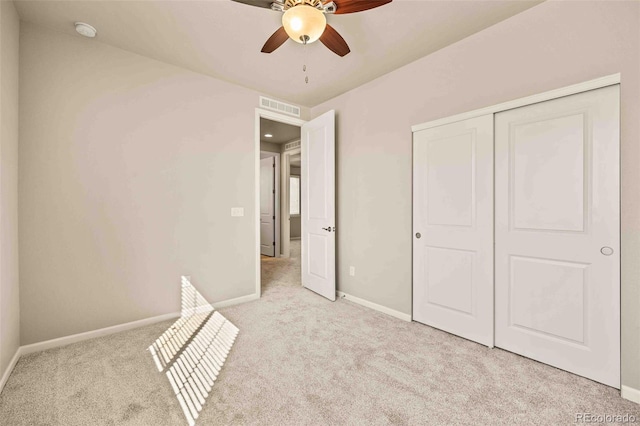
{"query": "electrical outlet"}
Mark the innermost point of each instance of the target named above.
(352, 271)
(237, 211)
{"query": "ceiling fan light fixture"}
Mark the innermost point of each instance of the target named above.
(303, 23)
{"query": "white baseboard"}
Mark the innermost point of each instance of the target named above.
(67, 340)
(74, 338)
(9, 370)
(375, 306)
(630, 393)
(236, 301)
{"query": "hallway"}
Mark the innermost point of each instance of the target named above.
(282, 271)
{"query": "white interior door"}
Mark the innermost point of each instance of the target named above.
(267, 207)
(453, 228)
(558, 233)
(318, 206)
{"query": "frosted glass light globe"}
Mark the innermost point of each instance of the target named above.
(304, 21)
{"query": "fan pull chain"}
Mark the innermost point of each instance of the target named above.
(304, 64)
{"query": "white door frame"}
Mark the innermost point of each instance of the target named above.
(276, 186)
(281, 118)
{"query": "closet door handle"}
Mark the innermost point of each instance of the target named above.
(607, 251)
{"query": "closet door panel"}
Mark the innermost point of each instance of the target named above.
(557, 252)
(453, 228)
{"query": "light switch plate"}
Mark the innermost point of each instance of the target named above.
(237, 211)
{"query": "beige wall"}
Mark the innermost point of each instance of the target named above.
(270, 147)
(9, 294)
(549, 46)
(296, 227)
(128, 170)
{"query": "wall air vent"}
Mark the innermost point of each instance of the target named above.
(292, 145)
(279, 106)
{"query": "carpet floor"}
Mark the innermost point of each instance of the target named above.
(302, 360)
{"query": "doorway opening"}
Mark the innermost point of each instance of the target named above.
(278, 200)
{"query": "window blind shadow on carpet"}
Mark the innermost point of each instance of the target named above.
(193, 350)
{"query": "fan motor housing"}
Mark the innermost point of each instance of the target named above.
(283, 5)
(288, 4)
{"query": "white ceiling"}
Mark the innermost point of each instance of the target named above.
(223, 39)
(281, 132)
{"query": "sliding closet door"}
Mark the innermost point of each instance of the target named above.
(453, 228)
(558, 233)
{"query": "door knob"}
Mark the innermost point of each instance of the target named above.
(328, 229)
(607, 251)
(418, 235)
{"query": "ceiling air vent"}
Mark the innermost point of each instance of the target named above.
(292, 145)
(279, 106)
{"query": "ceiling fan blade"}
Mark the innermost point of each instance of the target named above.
(334, 41)
(353, 6)
(276, 40)
(259, 3)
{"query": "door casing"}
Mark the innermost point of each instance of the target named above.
(281, 118)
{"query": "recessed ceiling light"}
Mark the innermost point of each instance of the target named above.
(268, 135)
(85, 29)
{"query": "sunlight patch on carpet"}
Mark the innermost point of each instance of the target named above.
(193, 350)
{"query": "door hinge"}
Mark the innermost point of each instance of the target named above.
(274, 218)
(274, 165)
(274, 243)
(274, 191)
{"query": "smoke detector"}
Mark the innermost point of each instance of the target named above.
(85, 29)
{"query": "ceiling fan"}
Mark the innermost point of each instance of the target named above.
(304, 21)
